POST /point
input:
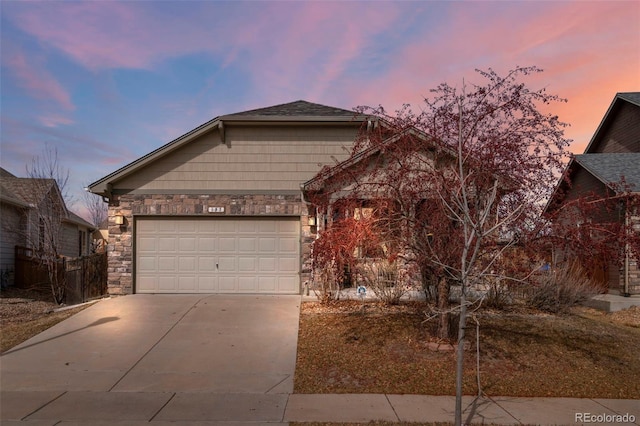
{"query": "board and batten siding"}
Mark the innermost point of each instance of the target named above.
(256, 158)
(622, 134)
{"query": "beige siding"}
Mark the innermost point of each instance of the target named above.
(10, 237)
(265, 158)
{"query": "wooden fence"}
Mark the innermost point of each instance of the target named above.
(85, 277)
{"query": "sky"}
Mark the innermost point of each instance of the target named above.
(105, 82)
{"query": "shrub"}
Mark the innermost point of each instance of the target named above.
(382, 276)
(559, 289)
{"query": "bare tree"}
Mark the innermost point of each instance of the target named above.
(48, 184)
(96, 208)
(467, 179)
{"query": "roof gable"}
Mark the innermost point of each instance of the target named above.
(293, 113)
(328, 173)
(632, 98)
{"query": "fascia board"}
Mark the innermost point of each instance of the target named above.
(14, 201)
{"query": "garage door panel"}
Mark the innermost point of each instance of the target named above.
(206, 244)
(147, 243)
(187, 244)
(147, 264)
(267, 264)
(166, 244)
(247, 284)
(268, 227)
(246, 244)
(227, 245)
(186, 226)
(227, 264)
(167, 283)
(207, 284)
(186, 264)
(247, 264)
(166, 263)
(206, 264)
(227, 284)
(187, 284)
(246, 227)
(267, 245)
(217, 255)
(267, 284)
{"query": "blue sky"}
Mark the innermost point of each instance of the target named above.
(106, 82)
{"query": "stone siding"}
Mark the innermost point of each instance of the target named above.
(120, 248)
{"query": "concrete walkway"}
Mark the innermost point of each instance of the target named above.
(212, 360)
(203, 408)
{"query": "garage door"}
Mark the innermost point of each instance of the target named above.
(217, 255)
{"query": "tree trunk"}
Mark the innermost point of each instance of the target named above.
(444, 331)
(462, 323)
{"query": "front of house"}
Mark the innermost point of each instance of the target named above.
(33, 215)
(611, 158)
(220, 209)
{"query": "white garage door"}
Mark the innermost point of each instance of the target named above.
(217, 255)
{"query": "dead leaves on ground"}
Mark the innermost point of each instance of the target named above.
(348, 347)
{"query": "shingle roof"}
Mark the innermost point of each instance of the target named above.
(297, 108)
(633, 97)
(25, 190)
(5, 173)
(74, 218)
(610, 168)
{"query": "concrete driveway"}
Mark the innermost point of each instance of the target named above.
(186, 358)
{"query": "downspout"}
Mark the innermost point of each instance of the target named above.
(627, 223)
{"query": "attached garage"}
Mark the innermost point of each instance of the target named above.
(217, 255)
(220, 208)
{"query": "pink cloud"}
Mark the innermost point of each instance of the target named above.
(584, 60)
(99, 34)
(32, 75)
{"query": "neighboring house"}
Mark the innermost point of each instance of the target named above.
(27, 207)
(220, 209)
(612, 155)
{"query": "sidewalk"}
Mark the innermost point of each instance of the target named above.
(422, 408)
(248, 409)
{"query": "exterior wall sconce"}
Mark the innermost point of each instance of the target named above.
(119, 219)
(312, 221)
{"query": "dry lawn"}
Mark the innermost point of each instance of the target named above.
(347, 349)
(25, 313)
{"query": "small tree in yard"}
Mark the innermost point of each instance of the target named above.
(467, 178)
(49, 186)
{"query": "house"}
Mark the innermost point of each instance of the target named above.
(609, 167)
(33, 215)
(220, 209)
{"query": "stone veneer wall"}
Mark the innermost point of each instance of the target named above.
(120, 248)
(634, 269)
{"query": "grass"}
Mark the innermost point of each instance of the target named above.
(15, 333)
(344, 349)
